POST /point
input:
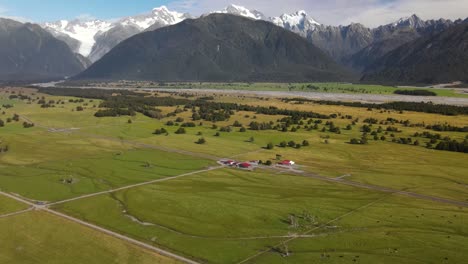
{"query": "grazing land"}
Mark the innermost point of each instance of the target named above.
(38, 237)
(368, 184)
(8, 206)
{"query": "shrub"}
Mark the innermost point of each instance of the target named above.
(181, 130)
(201, 141)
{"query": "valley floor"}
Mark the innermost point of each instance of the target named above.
(75, 188)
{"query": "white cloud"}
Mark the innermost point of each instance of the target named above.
(336, 12)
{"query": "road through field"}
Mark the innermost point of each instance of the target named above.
(98, 228)
(342, 180)
(134, 186)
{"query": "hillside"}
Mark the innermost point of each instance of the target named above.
(28, 52)
(438, 58)
(218, 47)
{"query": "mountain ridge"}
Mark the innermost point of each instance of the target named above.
(217, 47)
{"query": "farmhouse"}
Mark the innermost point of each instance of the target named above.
(287, 163)
(245, 165)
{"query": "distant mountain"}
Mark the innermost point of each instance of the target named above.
(437, 58)
(218, 47)
(28, 52)
(389, 37)
(351, 45)
(94, 38)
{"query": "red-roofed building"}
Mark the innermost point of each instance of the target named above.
(287, 163)
(245, 165)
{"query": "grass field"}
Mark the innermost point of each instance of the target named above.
(37, 237)
(227, 215)
(224, 214)
(8, 205)
(216, 210)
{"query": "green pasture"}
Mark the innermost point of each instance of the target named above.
(8, 205)
(394, 230)
(38, 237)
(221, 216)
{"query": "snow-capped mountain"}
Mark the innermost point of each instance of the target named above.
(242, 11)
(298, 22)
(83, 31)
(160, 15)
(95, 38)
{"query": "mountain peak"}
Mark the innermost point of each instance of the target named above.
(298, 22)
(412, 21)
(301, 13)
(162, 8)
(242, 11)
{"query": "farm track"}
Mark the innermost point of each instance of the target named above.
(98, 228)
(341, 180)
(16, 213)
(134, 186)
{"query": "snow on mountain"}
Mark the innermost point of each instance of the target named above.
(298, 22)
(86, 32)
(242, 11)
(94, 38)
(83, 31)
(160, 15)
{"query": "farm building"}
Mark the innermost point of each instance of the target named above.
(245, 165)
(287, 163)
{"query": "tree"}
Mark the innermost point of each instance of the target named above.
(291, 144)
(237, 124)
(242, 130)
(2, 123)
(129, 121)
(181, 130)
(179, 120)
(217, 134)
(201, 141)
(251, 139)
(268, 163)
(79, 108)
(305, 143)
(270, 146)
(283, 144)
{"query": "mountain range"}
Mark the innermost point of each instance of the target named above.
(217, 47)
(361, 49)
(345, 44)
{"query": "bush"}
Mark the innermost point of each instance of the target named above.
(181, 130)
(201, 141)
(160, 131)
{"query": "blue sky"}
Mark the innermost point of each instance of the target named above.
(329, 12)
